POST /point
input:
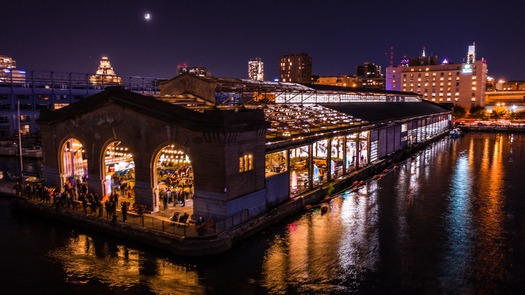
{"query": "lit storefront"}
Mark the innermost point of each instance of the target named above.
(311, 165)
(343, 151)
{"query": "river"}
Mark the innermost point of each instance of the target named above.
(450, 220)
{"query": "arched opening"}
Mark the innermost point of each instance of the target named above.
(174, 180)
(73, 163)
(119, 173)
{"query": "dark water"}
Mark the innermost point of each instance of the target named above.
(449, 221)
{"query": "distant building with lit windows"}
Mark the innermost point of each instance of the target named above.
(105, 74)
(507, 94)
(6, 62)
(195, 71)
(370, 76)
(256, 69)
(340, 80)
(8, 71)
(295, 68)
(462, 84)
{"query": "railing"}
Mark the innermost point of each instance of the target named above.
(188, 229)
(65, 81)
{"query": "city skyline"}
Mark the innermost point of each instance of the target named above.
(151, 38)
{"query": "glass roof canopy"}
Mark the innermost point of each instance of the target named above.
(301, 120)
(291, 109)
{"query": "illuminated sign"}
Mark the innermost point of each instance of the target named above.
(467, 69)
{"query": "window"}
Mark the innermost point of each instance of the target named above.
(4, 119)
(245, 163)
(25, 118)
(25, 129)
(26, 106)
(4, 131)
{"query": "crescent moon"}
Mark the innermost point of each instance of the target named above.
(147, 16)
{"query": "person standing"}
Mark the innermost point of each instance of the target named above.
(124, 211)
(164, 201)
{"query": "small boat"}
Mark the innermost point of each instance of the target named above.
(455, 133)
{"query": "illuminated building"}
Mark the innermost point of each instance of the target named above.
(105, 74)
(6, 62)
(37, 90)
(370, 76)
(462, 84)
(196, 71)
(340, 80)
(256, 69)
(247, 157)
(8, 71)
(507, 94)
(296, 68)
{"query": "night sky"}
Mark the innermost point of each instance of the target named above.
(222, 35)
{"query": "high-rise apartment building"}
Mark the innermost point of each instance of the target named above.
(256, 69)
(295, 68)
(462, 84)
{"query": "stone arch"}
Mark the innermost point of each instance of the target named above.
(172, 170)
(117, 170)
(73, 162)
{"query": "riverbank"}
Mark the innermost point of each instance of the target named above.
(188, 239)
(495, 128)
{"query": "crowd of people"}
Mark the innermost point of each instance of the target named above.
(176, 186)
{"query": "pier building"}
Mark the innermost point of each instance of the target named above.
(237, 147)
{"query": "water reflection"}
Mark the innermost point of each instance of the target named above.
(435, 225)
(450, 220)
(458, 222)
(321, 252)
(86, 259)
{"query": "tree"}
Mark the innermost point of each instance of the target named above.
(478, 112)
(519, 115)
(498, 112)
(459, 112)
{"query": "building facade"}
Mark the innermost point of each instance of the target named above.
(246, 158)
(8, 71)
(296, 68)
(370, 76)
(462, 84)
(24, 93)
(196, 71)
(105, 74)
(340, 80)
(256, 69)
